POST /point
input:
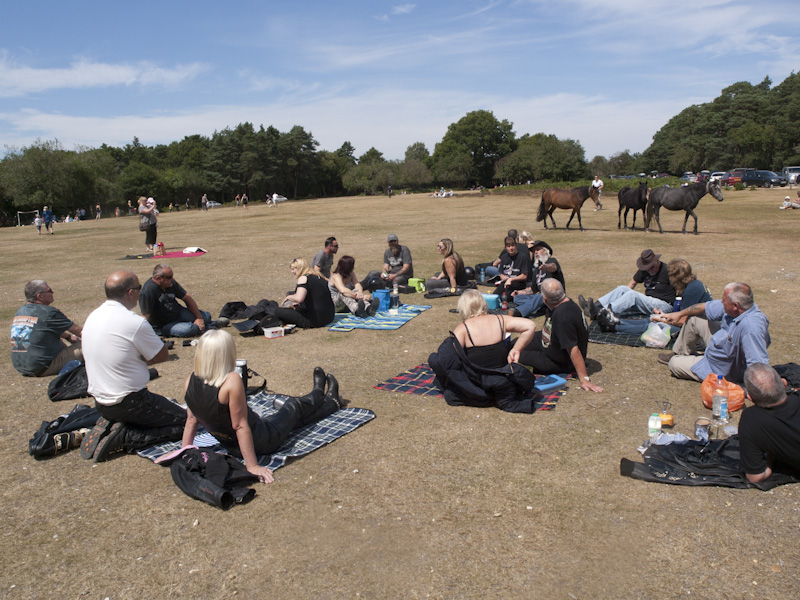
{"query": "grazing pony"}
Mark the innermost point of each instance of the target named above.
(682, 198)
(553, 198)
(630, 198)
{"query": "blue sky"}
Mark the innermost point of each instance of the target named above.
(606, 73)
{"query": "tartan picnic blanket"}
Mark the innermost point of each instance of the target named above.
(597, 336)
(382, 320)
(419, 381)
(299, 443)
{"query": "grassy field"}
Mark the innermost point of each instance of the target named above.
(427, 500)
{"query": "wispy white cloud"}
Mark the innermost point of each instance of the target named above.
(19, 80)
(403, 9)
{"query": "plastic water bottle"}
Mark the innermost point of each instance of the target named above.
(483, 275)
(394, 299)
(504, 299)
(719, 402)
(653, 425)
(677, 305)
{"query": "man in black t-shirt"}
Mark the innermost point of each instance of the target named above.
(623, 300)
(159, 304)
(561, 345)
(529, 302)
(769, 432)
(514, 268)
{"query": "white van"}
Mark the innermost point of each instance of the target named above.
(791, 173)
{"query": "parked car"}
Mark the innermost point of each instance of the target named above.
(791, 173)
(716, 176)
(213, 204)
(734, 176)
(688, 177)
(763, 179)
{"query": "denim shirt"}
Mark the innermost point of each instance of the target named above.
(740, 342)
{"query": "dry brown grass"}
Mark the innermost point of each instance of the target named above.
(426, 501)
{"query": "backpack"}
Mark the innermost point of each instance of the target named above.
(69, 385)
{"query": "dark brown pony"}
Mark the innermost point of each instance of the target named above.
(553, 198)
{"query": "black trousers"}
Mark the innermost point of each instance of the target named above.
(150, 418)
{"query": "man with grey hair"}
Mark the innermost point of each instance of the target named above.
(560, 347)
(37, 331)
(769, 432)
(734, 331)
(118, 346)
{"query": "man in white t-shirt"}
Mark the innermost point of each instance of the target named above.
(118, 346)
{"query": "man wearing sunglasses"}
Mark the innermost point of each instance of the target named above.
(118, 346)
(159, 305)
(38, 332)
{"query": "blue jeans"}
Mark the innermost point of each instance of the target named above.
(185, 326)
(624, 300)
(528, 304)
(639, 326)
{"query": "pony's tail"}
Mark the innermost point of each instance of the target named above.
(542, 212)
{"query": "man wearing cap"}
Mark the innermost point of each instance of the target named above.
(529, 301)
(740, 340)
(323, 260)
(36, 333)
(159, 305)
(397, 266)
(658, 291)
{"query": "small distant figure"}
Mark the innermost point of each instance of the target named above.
(244, 201)
(171, 207)
(238, 199)
(49, 218)
(390, 191)
(204, 203)
(788, 203)
(188, 204)
(598, 183)
(38, 223)
(116, 212)
(131, 210)
(97, 212)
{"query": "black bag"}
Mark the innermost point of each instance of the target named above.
(42, 443)
(69, 385)
(144, 223)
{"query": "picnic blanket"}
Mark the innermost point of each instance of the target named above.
(299, 443)
(419, 381)
(597, 336)
(382, 320)
(165, 255)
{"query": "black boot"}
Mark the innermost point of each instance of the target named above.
(319, 379)
(361, 313)
(594, 308)
(330, 403)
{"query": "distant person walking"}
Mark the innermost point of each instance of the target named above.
(49, 218)
(204, 203)
(244, 201)
(598, 183)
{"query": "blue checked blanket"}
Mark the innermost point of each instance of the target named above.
(382, 320)
(299, 443)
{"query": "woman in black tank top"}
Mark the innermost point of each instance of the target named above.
(483, 336)
(215, 398)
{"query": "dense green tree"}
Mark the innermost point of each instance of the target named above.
(481, 139)
(418, 151)
(414, 174)
(371, 156)
(138, 179)
(543, 157)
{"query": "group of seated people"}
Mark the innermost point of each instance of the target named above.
(478, 364)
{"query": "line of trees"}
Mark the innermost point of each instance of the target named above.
(747, 125)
